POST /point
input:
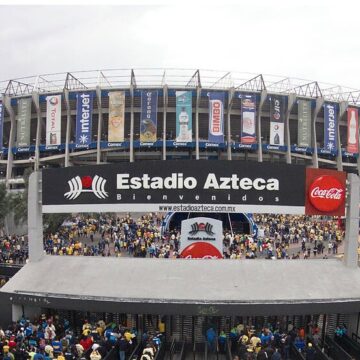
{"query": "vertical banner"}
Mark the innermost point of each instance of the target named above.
(276, 121)
(148, 120)
(352, 131)
(304, 123)
(84, 105)
(116, 116)
(23, 122)
(330, 127)
(216, 117)
(1, 124)
(248, 116)
(183, 116)
(53, 120)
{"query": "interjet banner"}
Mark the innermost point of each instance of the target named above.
(84, 106)
(277, 121)
(248, 116)
(352, 131)
(216, 117)
(116, 116)
(148, 120)
(53, 120)
(183, 116)
(181, 185)
(23, 122)
(304, 123)
(1, 124)
(330, 127)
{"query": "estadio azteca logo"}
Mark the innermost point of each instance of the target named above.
(196, 227)
(78, 185)
(326, 193)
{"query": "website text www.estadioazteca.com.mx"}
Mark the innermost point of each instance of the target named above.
(190, 207)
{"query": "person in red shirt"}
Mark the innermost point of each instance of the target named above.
(86, 342)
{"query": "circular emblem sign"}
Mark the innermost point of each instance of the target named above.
(326, 193)
(201, 250)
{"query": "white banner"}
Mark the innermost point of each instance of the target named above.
(277, 133)
(53, 120)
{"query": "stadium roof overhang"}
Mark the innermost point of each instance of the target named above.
(202, 287)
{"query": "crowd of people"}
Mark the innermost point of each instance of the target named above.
(50, 337)
(13, 249)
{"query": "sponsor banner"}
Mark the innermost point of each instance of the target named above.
(2, 110)
(23, 123)
(53, 120)
(148, 120)
(216, 117)
(304, 123)
(201, 238)
(277, 121)
(248, 116)
(330, 127)
(116, 116)
(352, 131)
(183, 116)
(84, 106)
(325, 192)
(161, 186)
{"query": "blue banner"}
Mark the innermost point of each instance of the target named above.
(84, 105)
(148, 119)
(248, 126)
(330, 127)
(216, 117)
(1, 124)
(183, 116)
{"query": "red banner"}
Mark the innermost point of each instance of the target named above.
(325, 192)
(353, 131)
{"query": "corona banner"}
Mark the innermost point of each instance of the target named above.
(23, 123)
(276, 121)
(53, 120)
(304, 123)
(352, 131)
(183, 116)
(216, 117)
(148, 119)
(248, 117)
(84, 106)
(116, 116)
(330, 127)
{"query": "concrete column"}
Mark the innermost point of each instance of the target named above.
(291, 103)
(352, 222)
(17, 312)
(9, 165)
(198, 96)
(132, 123)
(342, 111)
(230, 101)
(165, 98)
(318, 106)
(35, 221)
(263, 97)
(100, 121)
(35, 98)
(68, 127)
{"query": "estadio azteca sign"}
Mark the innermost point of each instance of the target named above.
(184, 185)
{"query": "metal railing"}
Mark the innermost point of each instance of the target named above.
(334, 350)
(295, 353)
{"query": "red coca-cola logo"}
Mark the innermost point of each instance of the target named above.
(326, 193)
(201, 250)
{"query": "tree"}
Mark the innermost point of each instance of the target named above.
(5, 199)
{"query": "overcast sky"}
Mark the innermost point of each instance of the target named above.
(302, 39)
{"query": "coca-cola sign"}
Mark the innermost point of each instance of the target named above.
(325, 192)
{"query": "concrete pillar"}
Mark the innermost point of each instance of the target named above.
(263, 98)
(35, 221)
(35, 98)
(9, 165)
(198, 96)
(230, 100)
(68, 127)
(342, 111)
(100, 121)
(165, 103)
(318, 106)
(132, 123)
(17, 312)
(352, 222)
(291, 103)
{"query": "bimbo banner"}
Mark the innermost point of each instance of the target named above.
(116, 116)
(216, 117)
(23, 122)
(276, 121)
(53, 120)
(304, 123)
(330, 127)
(183, 116)
(1, 124)
(248, 124)
(352, 131)
(148, 120)
(84, 106)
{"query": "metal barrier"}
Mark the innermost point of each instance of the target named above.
(228, 350)
(295, 353)
(182, 350)
(349, 345)
(112, 354)
(334, 350)
(320, 355)
(160, 355)
(355, 337)
(8, 270)
(136, 352)
(172, 349)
